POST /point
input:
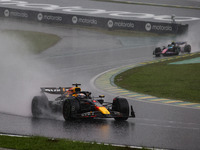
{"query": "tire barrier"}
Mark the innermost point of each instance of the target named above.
(91, 21)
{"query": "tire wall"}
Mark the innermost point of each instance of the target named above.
(99, 22)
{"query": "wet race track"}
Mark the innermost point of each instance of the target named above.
(81, 55)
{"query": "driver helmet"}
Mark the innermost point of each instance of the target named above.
(81, 95)
(173, 43)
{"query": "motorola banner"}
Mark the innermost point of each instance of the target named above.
(14, 13)
(87, 21)
(120, 24)
(165, 27)
(160, 27)
(107, 23)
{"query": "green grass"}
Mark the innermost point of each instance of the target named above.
(181, 82)
(37, 41)
(42, 143)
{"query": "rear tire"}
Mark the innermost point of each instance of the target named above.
(39, 106)
(187, 48)
(121, 105)
(67, 110)
(177, 50)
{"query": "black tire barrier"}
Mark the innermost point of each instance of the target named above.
(91, 21)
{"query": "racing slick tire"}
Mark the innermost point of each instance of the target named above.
(39, 106)
(187, 48)
(157, 51)
(177, 51)
(121, 105)
(70, 109)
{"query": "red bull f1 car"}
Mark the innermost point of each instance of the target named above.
(73, 103)
(172, 49)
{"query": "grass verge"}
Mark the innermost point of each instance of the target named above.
(181, 82)
(43, 143)
(37, 41)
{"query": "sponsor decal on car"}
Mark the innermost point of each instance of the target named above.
(52, 90)
(91, 113)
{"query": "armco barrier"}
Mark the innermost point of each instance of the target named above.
(100, 22)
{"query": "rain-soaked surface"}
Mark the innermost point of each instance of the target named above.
(77, 58)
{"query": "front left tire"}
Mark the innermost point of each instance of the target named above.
(70, 109)
(121, 105)
(157, 51)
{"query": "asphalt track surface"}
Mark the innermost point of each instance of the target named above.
(82, 55)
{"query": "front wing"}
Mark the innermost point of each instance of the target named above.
(98, 114)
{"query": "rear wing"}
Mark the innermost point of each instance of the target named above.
(54, 90)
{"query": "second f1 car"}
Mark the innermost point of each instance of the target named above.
(74, 103)
(172, 49)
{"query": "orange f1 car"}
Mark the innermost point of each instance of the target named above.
(76, 104)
